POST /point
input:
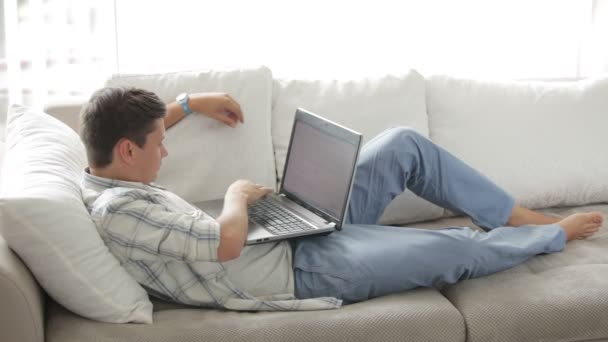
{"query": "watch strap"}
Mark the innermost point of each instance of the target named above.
(182, 99)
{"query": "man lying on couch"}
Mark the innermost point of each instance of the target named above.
(179, 253)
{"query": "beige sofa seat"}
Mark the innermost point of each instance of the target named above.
(418, 315)
(553, 297)
(556, 297)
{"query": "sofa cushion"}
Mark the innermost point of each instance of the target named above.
(43, 218)
(417, 315)
(206, 156)
(541, 141)
(553, 297)
(66, 111)
(369, 106)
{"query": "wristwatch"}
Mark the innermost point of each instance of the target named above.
(183, 99)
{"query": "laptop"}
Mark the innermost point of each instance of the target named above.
(315, 188)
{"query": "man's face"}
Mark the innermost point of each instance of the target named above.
(148, 158)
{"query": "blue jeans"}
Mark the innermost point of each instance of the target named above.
(366, 260)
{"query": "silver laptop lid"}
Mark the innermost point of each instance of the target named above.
(320, 165)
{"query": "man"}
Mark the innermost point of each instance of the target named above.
(181, 254)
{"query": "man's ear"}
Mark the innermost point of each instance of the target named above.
(125, 150)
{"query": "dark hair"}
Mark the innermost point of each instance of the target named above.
(115, 113)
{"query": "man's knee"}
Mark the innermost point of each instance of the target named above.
(467, 252)
(403, 132)
(402, 139)
(404, 136)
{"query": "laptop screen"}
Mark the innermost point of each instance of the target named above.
(320, 165)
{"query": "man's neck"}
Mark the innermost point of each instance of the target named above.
(111, 173)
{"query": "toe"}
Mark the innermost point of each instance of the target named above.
(598, 218)
(589, 226)
(592, 228)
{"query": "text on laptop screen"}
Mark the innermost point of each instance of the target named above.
(319, 168)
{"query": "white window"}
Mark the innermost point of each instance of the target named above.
(321, 38)
(54, 49)
(58, 49)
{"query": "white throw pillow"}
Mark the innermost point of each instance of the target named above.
(544, 142)
(44, 220)
(206, 156)
(367, 105)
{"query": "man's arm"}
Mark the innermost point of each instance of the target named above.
(233, 220)
(234, 226)
(218, 106)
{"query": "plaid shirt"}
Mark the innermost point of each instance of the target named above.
(172, 252)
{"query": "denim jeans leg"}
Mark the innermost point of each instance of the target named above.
(366, 261)
(400, 157)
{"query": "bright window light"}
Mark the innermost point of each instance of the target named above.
(320, 38)
(62, 49)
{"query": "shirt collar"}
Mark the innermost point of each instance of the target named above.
(91, 181)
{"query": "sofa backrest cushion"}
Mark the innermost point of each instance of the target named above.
(44, 220)
(66, 111)
(367, 105)
(541, 141)
(206, 156)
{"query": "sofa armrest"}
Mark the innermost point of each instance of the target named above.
(22, 300)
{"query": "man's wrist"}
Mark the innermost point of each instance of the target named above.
(235, 197)
(183, 100)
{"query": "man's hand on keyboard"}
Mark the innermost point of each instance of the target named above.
(250, 190)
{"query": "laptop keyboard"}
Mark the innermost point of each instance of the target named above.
(276, 219)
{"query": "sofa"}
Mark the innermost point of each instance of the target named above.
(542, 141)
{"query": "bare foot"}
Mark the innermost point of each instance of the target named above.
(581, 225)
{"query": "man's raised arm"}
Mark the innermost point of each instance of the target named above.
(218, 106)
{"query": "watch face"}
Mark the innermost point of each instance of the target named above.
(183, 97)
